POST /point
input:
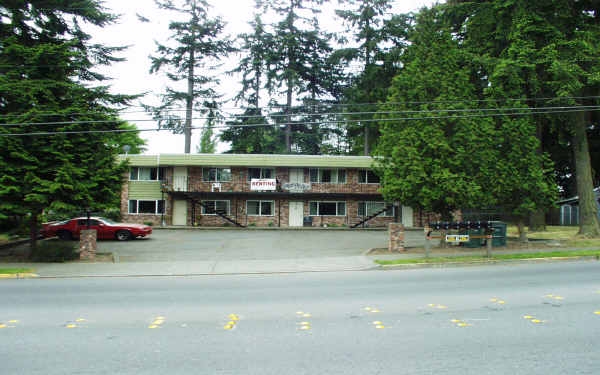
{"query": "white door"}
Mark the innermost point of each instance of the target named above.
(179, 212)
(180, 179)
(296, 214)
(407, 216)
(297, 175)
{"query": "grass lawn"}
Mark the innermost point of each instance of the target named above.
(553, 254)
(15, 270)
(566, 235)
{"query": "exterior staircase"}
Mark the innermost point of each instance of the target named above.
(370, 217)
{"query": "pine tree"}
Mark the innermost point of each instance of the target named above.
(196, 44)
(48, 85)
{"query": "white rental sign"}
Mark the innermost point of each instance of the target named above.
(263, 184)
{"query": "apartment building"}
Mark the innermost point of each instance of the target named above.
(256, 190)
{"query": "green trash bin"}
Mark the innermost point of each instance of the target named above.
(475, 242)
(498, 233)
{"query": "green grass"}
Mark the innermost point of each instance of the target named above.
(4, 237)
(12, 271)
(553, 254)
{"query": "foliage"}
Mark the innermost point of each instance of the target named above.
(196, 43)
(441, 160)
(46, 77)
(53, 251)
(548, 49)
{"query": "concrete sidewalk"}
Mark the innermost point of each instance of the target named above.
(473, 252)
(183, 268)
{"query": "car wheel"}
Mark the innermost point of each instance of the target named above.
(64, 235)
(123, 235)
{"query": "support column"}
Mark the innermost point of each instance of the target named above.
(396, 233)
(87, 244)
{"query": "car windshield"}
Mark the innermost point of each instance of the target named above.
(107, 221)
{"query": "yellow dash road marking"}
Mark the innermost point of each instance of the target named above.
(304, 323)
(2, 325)
(367, 308)
(228, 327)
(158, 322)
(305, 327)
(299, 312)
(442, 307)
(380, 326)
(597, 312)
(307, 315)
(431, 305)
(501, 302)
(464, 325)
(493, 299)
(377, 322)
(375, 311)
(559, 297)
(536, 321)
(527, 317)
(71, 326)
(455, 321)
(549, 295)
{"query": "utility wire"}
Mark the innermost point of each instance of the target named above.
(291, 123)
(240, 117)
(311, 106)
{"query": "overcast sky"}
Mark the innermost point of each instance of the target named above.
(132, 76)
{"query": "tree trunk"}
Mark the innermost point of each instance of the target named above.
(367, 150)
(522, 231)
(189, 103)
(537, 219)
(33, 233)
(288, 126)
(588, 210)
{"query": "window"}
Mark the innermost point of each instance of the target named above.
(260, 173)
(212, 207)
(146, 174)
(156, 207)
(260, 208)
(330, 176)
(216, 174)
(327, 208)
(367, 177)
(83, 222)
(371, 208)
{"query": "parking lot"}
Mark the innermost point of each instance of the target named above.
(200, 245)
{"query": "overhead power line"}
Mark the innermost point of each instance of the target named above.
(314, 106)
(241, 117)
(293, 123)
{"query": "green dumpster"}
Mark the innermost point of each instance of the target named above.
(475, 242)
(498, 233)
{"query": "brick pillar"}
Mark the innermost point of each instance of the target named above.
(396, 233)
(87, 244)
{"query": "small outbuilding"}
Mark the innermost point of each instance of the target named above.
(569, 209)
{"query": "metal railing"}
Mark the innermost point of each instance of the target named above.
(238, 184)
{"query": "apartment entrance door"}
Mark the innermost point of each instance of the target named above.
(296, 213)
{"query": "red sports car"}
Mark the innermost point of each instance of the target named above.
(106, 229)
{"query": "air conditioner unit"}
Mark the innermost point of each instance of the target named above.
(216, 187)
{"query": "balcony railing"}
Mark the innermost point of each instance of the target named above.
(241, 185)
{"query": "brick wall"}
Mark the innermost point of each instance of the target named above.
(239, 182)
(145, 218)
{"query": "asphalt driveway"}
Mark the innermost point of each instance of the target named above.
(222, 245)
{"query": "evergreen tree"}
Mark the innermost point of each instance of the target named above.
(443, 160)
(247, 134)
(300, 49)
(47, 86)
(196, 43)
(207, 142)
(380, 40)
(551, 48)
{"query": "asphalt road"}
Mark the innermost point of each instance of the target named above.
(202, 245)
(525, 319)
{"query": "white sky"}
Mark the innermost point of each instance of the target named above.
(132, 76)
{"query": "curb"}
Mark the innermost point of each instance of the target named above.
(370, 268)
(19, 276)
(270, 228)
(492, 262)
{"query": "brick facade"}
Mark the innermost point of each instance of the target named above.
(280, 218)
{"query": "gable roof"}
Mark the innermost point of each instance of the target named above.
(249, 160)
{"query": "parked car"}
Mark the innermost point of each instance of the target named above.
(106, 229)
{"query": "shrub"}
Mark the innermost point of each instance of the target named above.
(54, 252)
(271, 223)
(148, 223)
(252, 224)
